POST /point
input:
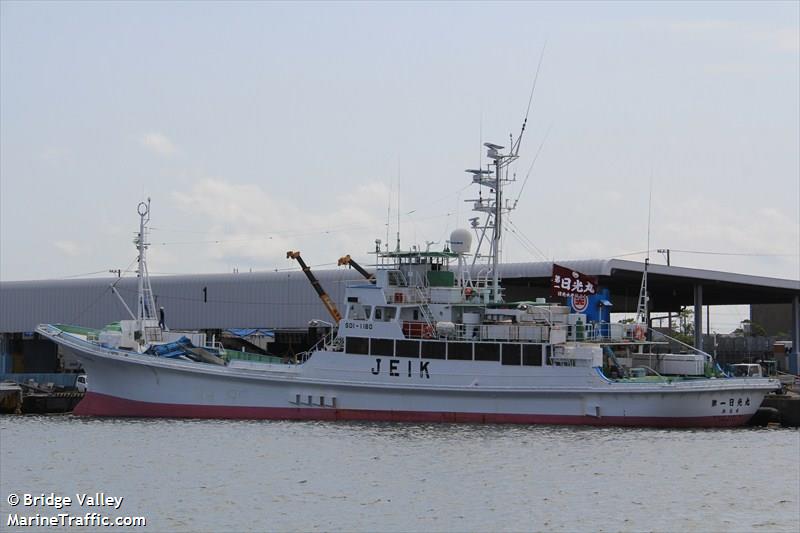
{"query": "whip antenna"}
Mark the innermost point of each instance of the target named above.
(642, 308)
(516, 147)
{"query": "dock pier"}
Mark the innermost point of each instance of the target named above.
(788, 407)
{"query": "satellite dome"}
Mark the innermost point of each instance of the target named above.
(461, 241)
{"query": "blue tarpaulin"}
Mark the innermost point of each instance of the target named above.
(171, 349)
(251, 331)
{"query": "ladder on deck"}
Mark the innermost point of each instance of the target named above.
(427, 316)
(641, 307)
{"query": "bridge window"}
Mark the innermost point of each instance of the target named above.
(385, 314)
(487, 351)
(459, 351)
(512, 354)
(358, 311)
(433, 350)
(407, 349)
(532, 354)
(396, 278)
(381, 347)
(356, 345)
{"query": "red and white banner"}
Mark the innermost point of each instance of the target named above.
(567, 282)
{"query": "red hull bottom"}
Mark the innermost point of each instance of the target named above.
(96, 404)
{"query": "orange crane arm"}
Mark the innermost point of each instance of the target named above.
(326, 300)
(347, 260)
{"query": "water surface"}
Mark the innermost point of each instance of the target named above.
(205, 475)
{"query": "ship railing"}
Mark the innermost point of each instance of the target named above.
(629, 332)
(329, 341)
(709, 358)
(409, 295)
(302, 357)
(539, 332)
(482, 278)
(641, 372)
(501, 332)
(153, 333)
(215, 346)
(50, 329)
(606, 332)
(423, 309)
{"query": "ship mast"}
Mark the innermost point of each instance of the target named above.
(643, 308)
(493, 207)
(146, 308)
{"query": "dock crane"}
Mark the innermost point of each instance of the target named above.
(347, 260)
(326, 300)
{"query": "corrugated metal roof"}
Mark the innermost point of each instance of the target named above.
(543, 269)
(607, 267)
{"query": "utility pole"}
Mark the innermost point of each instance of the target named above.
(669, 313)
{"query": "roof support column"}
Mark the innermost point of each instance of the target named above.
(6, 361)
(698, 316)
(794, 359)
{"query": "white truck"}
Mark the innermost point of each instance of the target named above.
(763, 369)
(80, 383)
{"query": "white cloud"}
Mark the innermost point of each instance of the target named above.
(701, 26)
(158, 143)
(246, 226)
(69, 248)
(704, 225)
(54, 154)
(751, 240)
(786, 39)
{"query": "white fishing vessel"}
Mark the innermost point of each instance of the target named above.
(429, 338)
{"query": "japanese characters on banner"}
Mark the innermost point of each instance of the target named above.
(567, 282)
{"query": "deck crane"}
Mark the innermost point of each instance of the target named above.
(347, 260)
(326, 300)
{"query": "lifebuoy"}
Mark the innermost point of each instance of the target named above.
(427, 332)
(638, 332)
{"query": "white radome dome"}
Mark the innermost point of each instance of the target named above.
(461, 241)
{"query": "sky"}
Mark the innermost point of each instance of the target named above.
(256, 128)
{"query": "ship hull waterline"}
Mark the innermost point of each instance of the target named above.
(101, 405)
(146, 386)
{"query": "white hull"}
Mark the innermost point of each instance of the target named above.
(336, 385)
